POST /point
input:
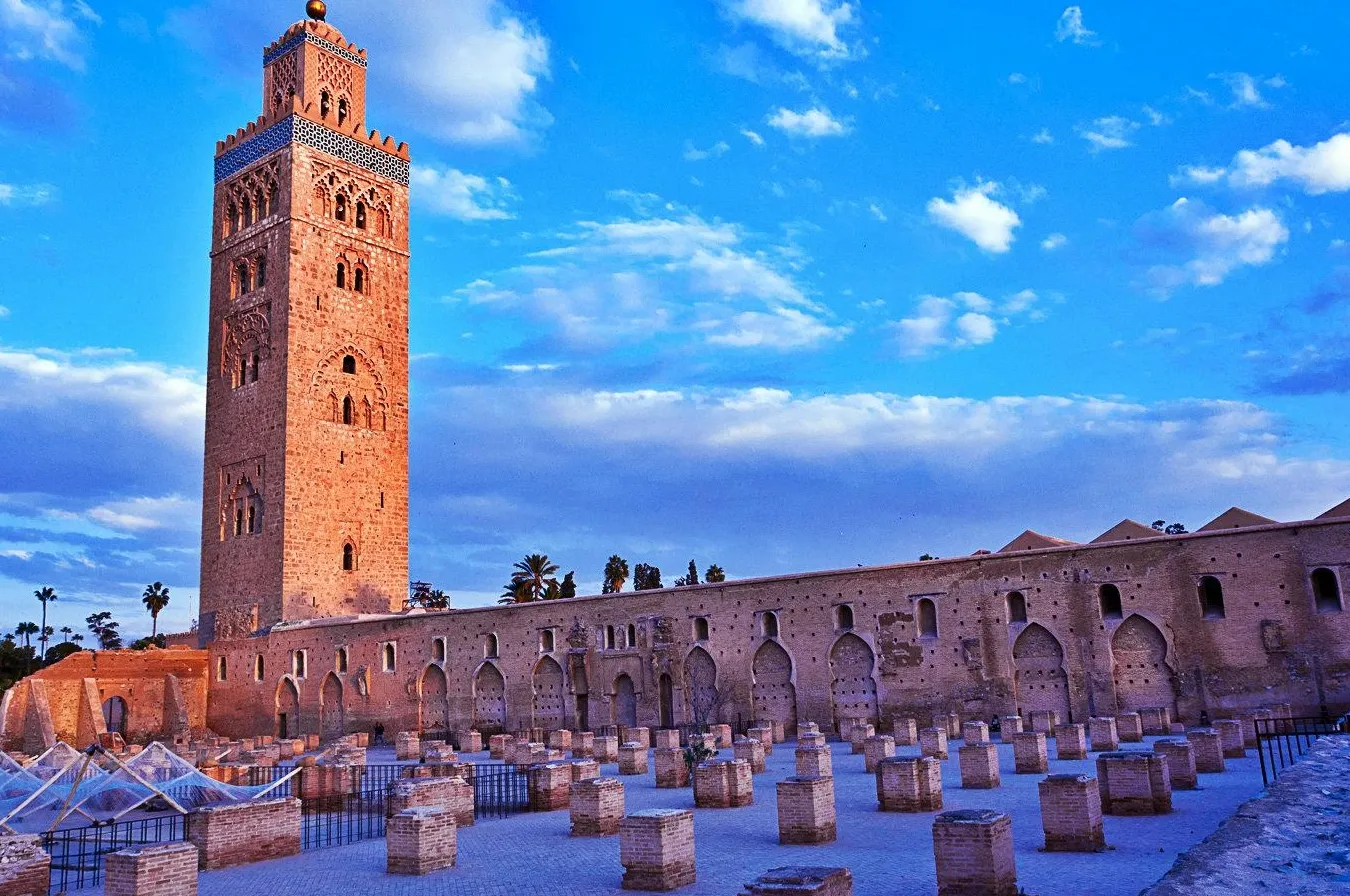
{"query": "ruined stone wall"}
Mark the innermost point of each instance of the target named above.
(1269, 646)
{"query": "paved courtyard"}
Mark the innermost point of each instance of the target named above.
(887, 852)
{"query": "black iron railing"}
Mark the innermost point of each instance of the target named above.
(499, 791)
(78, 853)
(1282, 742)
(359, 816)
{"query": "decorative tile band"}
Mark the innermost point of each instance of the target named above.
(269, 58)
(294, 129)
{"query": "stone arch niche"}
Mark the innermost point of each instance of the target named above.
(775, 697)
(115, 716)
(700, 686)
(548, 694)
(332, 721)
(1039, 679)
(1142, 677)
(288, 709)
(366, 384)
(433, 708)
(666, 691)
(489, 700)
(625, 702)
(853, 690)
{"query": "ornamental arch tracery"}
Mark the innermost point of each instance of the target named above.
(355, 398)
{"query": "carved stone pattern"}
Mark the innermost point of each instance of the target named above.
(288, 46)
(336, 76)
(241, 328)
(329, 180)
(294, 129)
(286, 76)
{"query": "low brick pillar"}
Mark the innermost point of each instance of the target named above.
(1208, 746)
(750, 751)
(723, 735)
(974, 853)
(666, 739)
(583, 745)
(550, 785)
(471, 742)
(905, 732)
(805, 728)
(1130, 727)
(1134, 783)
(25, 867)
(1103, 734)
(497, 744)
(285, 749)
(875, 749)
(407, 746)
(641, 736)
(240, 833)
(585, 769)
(858, 735)
(811, 740)
(795, 881)
(454, 794)
(1156, 720)
(560, 740)
(975, 732)
(909, 784)
(671, 770)
(1180, 755)
(933, 742)
(656, 849)
(438, 752)
(979, 766)
(164, 869)
(764, 735)
(953, 725)
(806, 811)
(311, 742)
(597, 807)
(420, 841)
(723, 785)
(1071, 814)
(1009, 726)
(814, 761)
(1260, 715)
(321, 787)
(1230, 735)
(1030, 756)
(632, 759)
(706, 741)
(606, 749)
(1044, 721)
(1071, 741)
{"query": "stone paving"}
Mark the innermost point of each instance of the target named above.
(888, 852)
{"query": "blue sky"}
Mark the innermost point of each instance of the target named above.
(777, 284)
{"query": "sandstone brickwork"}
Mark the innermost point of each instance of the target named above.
(1134, 783)
(1180, 755)
(806, 810)
(597, 807)
(974, 853)
(1071, 814)
(1030, 754)
(909, 784)
(656, 849)
(25, 868)
(164, 869)
(240, 833)
(1071, 741)
(979, 766)
(420, 841)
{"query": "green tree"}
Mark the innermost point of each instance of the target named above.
(1167, 528)
(102, 626)
(537, 572)
(646, 578)
(568, 588)
(155, 598)
(422, 594)
(923, 558)
(516, 591)
(714, 575)
(146, 643)
(691, 578)
(60, 652)
(26, 630)
(46, 595)
(66, 631)
(616, 573)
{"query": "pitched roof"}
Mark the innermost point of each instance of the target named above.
(1340, 510)
(1126, 530)
(1235, 518)
(1031, 541)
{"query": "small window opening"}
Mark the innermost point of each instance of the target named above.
(490, 647)
(253, 367)
(843, 617)
(252, 519)
(232, 219)
(258, 668)
(298, 663)
(325, 104)
(546, 640)
(259, 206)
(1326, 591)
(348, 364)
(1109, 597)
(632, 635)
(438, 650)
(701, 629)
(341, 275)
(240, 279)
(928, 627)
(1017, 607)
(220, 669)
(348, 558)
(609, 637)
(260, 273)
(247, 211)
(390, 658)
(347, 410)
(271, 200)
(340, 207)
(239, 521)
(768, 624)
(1211, 597)
(342, 111)
(361, 216)
(359, 280)
(341, 663)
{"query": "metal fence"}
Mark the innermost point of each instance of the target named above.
(78, 853)
(1282, 742)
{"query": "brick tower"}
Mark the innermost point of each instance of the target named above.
(305, 493)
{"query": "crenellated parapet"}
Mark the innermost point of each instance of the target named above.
(316, 32)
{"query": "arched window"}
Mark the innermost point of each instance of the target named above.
(253, 367)
(1211, 597)
(272, 200)
(259, 206)
(241, 278)
(341, 275)
(342, 111)
(348, 557)
(252, 518)
(341, 660)
(246, 211)
(231, 220)
(438, 650)
(298, 658)
(361, 216)
(340, 207)
(843, 617)
(632, 635)
(366, 413)
(1326, 591)
(490, 646)
(220, 669)
(238, 521)
(325, 104)
(258, 668)
(701, 629)
(546, 642)
(609, 637)
(260, 272)
(1017, 607)
(1108, 596)
(348, 364)
(390, 658)
(768, 624)
(928, 627)
(347, 410)
(359, 280)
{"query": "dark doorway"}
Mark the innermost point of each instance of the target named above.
(667, 702)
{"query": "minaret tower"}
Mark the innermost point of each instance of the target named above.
(305, 494)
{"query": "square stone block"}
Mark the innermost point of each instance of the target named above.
(242, 833)
(875, 749)
(1134, 783)
(666, 738)
(1071, 741)
(1103, 734)
(806, 811)
(162, 869)
(1180, 761)
(906, 732)
(1130, 727)
(471, 742)
(953, 725)
(597, 807)
(606, 749)
(909, 784)
(802, 881)
(805, 728)
(452, 793)
(671, 770)
(656, 849)
(979, 766)
(584, 770)
(858, 735)
(550, 785)
(1044, 721)
(27, 867)
(814, 761)
(632, 759)
(420, 841)
(933, 742)
(407, 746)
(811, 740)
(583, 745)
(1030, 755)
(723, 785)
(1156, 720)
(763, 734)
(1230, 735)
(1208, 746)
(723, 735)
(560, 740)
(751, 751)
(975, 732)
(973, 849)
(1071, 814)
(1008, 726)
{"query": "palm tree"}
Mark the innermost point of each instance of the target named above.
(516, 591)
(536, 572)
(26, 630)
(67, 631)
(616, 573)
(155, 598)
(46, 595)
(714, 574)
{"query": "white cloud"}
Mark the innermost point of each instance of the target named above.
(468, 197)
(1197, 174)
(938, 322)
(1155, 118)
(1246, 89)
(752, 136)
(530, 368)
(1216, 244)
(694, 154)
(1111, 132)
(1017, 78)
(974, 214)
(1321, 168)
(814, 122)
(140, 514)
(4, 312)
(1054, 241)
(809, 28)
(782, 328)
(1070, 27)
(26, 194)
(1043, 136)
(46, 29)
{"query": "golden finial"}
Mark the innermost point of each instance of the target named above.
(316, 10)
